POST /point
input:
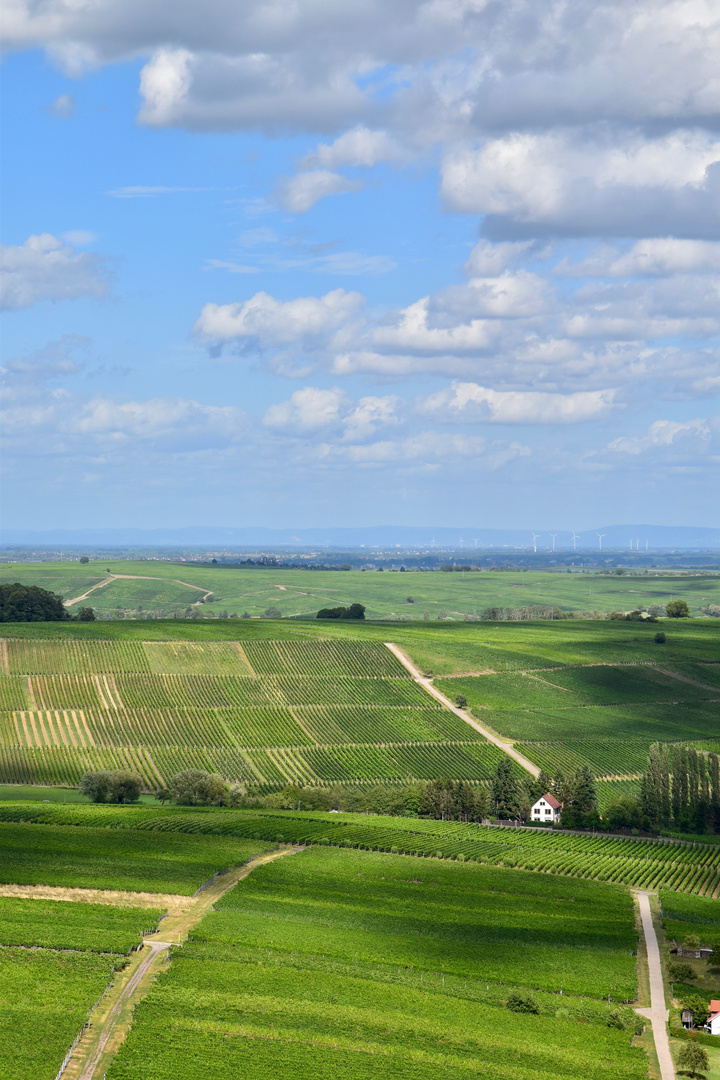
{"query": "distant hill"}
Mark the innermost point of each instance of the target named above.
(467, 537)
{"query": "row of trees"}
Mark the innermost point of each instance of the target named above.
(681, 787)
(354, 611)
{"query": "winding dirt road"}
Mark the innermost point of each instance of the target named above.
(427, 685)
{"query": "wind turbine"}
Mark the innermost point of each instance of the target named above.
(575, 539)
(475, 540)
(600, 538)
(534, 541)
(553, 539)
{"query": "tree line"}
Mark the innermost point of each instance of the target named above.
(681, 787)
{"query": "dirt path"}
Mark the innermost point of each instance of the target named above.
(137, 577)
(427, 685)
(110, 1021)
(657, 1014)
(114, 897)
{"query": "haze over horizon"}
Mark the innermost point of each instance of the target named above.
(412, 262)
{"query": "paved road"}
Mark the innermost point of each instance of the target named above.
(657, 1013)
(427, 684)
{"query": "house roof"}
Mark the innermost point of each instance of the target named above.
(551, 801)
(714, 1008)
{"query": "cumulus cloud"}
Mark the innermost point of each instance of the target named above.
(463, 402)
(63, 107)
(569, 183)
(673, 440)
(45, 268)
(263, 322)
(300, 193)
(357, 147)
(312, 409)
(654, 257)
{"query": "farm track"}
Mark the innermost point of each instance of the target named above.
(658, 1013)
(427, 685)
(139, 577)
(110, 1021)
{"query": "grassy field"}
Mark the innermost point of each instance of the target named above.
(170, 849)
(59, 924)
(347, 964)
(101, 858)
(156, 587)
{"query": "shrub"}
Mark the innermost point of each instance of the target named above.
(615, 1020)
(521, 1002)
(681, 972)
(659, 638)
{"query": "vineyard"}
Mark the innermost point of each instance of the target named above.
(61, 924)
(132, 831)
(266, 712)
(405, 971)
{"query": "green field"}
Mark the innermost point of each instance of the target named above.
(326, 703)
(100, 858)
(45, 997)
(173, 849)
(167, 588)
(60, 924)
(346, 964)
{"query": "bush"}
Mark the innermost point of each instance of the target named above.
(659, 638)
(461, 701)
(615, 1020)
(355, 611)
(521, 1002)
(681, 972)
(85, 614)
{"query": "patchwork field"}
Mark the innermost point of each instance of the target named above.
(346, 964)
(134, 589)
(270, 712)
(331, 704)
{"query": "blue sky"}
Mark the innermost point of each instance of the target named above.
(410, 263)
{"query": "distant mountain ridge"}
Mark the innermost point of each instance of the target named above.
(467, 538)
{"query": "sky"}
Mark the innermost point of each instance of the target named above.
(305, 264)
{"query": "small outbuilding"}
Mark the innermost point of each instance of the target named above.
(546, 809)
(713, 1021)
(687, 1019)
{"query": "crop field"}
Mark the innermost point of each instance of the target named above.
(147, 843)
(337, 708)
(116, 858)
(45, 997)
(160, 587)
(347, 964)
(60, 924)
(684, 915)
(269, 712)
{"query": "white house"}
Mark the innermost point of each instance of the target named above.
(713, 1020)
(546, 809)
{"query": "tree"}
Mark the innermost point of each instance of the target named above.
(538, 786)
(584, 797)
(698, 1006)
(272, 613)
(193, 787)
(84, 559)
(461, 701)
(355, 611)
(622, 813)
(96, 785)
(659, 638)
(677, 609)
(410, 600)
(692, 1057)
(125, 787)
(506, 790)
(521, 1002)
(85, 614)
(30, 603)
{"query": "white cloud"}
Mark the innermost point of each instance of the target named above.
(660, 257)
(144, 192)
(44, 268)
(272, 322)
(300, 193)
(428, 448)
(490, 260)
(691, 439)
(312, 409)
(572, 183)
(63, 107)
(470, 402)
(357, 147)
